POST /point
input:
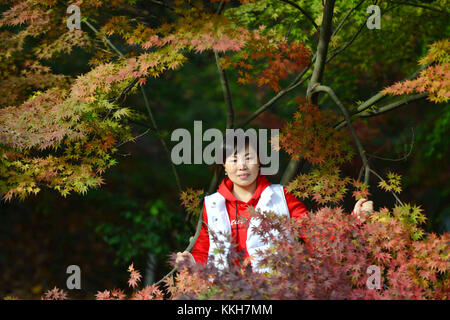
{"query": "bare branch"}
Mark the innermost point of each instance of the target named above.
(399, 159)
(221, 7)
(161, 139)
(162, 4)
(383, 109)
(297, 81)
(132, 139)
(124, 91)
(290, 26)
(391, 106)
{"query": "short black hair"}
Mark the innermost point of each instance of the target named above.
(230, 149)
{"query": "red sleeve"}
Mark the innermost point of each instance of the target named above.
(295, 206)
(201, 246)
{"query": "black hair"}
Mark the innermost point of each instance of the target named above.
(231, 148)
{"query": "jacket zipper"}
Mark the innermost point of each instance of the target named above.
(237, 227)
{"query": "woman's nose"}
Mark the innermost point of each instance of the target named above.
(242, 164)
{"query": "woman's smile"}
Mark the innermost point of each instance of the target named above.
(243, 175)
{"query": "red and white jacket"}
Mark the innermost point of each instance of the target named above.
(266, 196)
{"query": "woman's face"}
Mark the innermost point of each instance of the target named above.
(242, 168)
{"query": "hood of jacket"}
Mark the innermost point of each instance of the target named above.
(227, 185)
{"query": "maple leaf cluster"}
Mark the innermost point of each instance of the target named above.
(325, 255)
(33, 77)
(149, 292)
(55, 294)
(191, 199)
(267, 59)
(320, 185)
(433, 80)
(82, 142)
(60, 132)
(311, 135)
(393, 183)
(135, 276)
(361, 189)
(195, 30)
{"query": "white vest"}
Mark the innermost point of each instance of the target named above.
(271, 199)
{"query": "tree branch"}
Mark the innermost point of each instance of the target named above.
(295, 83)
(395, 196)
(337, 51)
(161, 139)
(345, 18)
(399, 159)
(162, 4)
(317, 74)
(226, 92)
(350, 127)
(322, 48)
(421, 6)
(392, 105)
(303, 12)
(132, 139)
(147, 105)
(375, 98)
(189, 247)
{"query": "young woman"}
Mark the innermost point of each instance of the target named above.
(223, 211)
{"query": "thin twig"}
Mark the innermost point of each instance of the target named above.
(132, 139)
(350, 126)
(345, 18)
(162, 4)
(290, 26)
(379, 177)
(295, 83)
(161, 139)
(147, 105)
(337, 51)
(192, 241)
(399, 159)
(422, 6)
(303, 12)
(226, 92)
